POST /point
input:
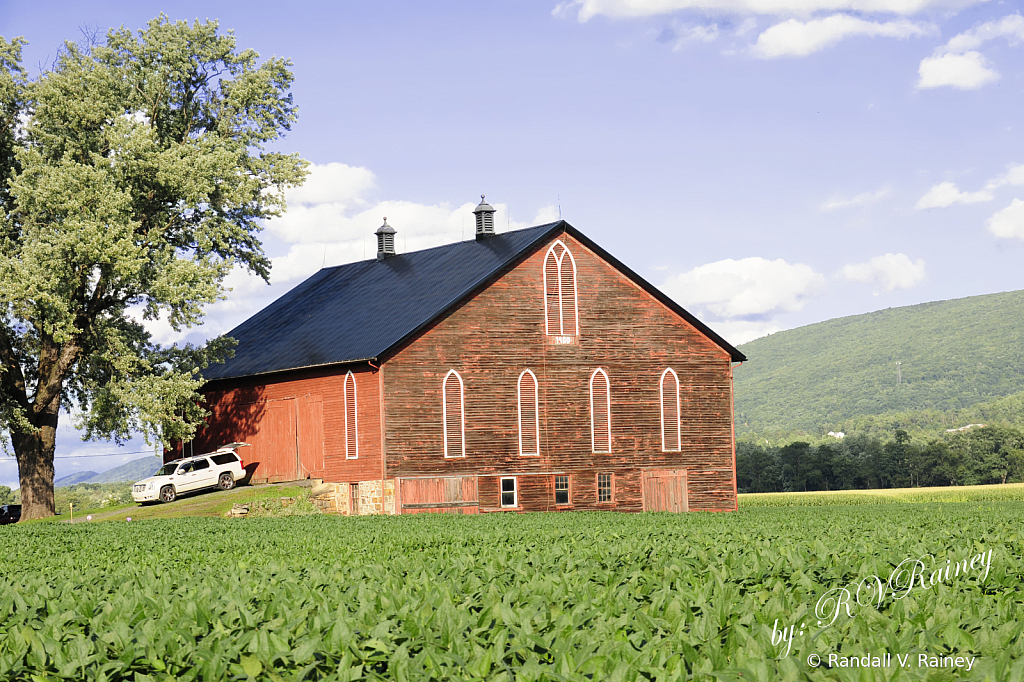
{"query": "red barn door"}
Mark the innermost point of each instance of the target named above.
(273, 442)
(311, 436)
(665, 490)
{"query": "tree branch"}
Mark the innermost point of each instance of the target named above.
(12, 379)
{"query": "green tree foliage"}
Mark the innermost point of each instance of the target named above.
(135, 173)
(6, 495)
(841, 375)
(979, 456)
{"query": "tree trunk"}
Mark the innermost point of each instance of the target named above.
(34, 452)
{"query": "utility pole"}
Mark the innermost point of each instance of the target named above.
(899, 373)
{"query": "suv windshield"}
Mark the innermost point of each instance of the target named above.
(167, 469)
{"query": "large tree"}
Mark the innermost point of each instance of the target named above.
(135, 174)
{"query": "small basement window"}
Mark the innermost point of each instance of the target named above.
(561, 490)
(509, 495)
(604, 487)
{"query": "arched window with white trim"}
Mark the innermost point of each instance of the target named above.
(600, 411)
(351, 417)
(671, 430)
(453, 409)
(561, 311)
(529, 414)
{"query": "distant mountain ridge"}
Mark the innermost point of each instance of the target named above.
(77, 477)
(952, 355)
(132, 471)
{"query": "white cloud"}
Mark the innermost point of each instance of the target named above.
(1009, 222)
(863, 199)
(967, 71)
(333, 183)
(621, 9)
(889, 272)
(1014, 175)
(747, 288)
(945, 194)
(958, 64)
(795, 38)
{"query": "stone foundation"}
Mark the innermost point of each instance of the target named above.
(355, 499)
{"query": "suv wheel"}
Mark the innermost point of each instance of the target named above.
(167, 493)
(226, 481)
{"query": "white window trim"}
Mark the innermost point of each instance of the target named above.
(355, 415)
(536, 412)
(462, 411)
(568, 489)
(679, 430)
(515, 492)
(558, 276)
(608, 397)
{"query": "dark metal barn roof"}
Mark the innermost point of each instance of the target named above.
(361, 311)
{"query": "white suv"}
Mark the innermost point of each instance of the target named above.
(221, 469)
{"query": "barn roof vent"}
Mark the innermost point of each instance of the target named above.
(484, 219)
(385, 240)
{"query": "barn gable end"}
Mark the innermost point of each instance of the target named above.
(502, 332)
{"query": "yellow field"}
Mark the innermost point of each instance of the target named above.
(962, 493)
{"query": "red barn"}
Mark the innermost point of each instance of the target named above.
(523, 371)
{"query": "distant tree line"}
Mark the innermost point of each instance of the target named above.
(980, 456)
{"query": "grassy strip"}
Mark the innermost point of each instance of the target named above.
(203, 504)
(1011, 492)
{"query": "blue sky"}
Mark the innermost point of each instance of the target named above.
(768, 163)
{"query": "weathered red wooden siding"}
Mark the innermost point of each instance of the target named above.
(500, 332)
(452, 495)
(295, 422)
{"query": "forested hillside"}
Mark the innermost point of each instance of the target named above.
(957, 357)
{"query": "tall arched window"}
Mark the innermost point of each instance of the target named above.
(452, 407)
(671, 436)
(351, 419)
(600, 412)
(529, 414)
(561, 312)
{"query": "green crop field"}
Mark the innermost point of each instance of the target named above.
(585, 596)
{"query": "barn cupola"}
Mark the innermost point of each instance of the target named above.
(484, 219)
(385, 240)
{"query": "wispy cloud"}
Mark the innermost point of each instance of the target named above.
(681, 34)
(946, 194)
(620, 9)
(795, 38)
(864, 199)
